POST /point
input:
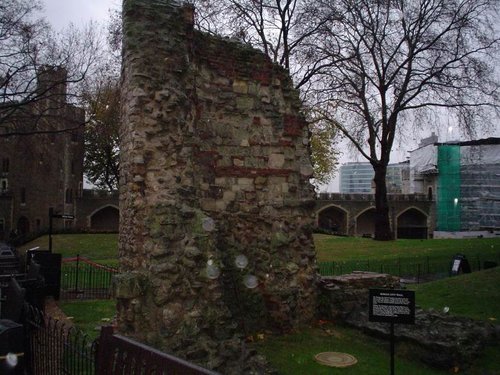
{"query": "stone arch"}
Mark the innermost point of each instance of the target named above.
(105, 218)
(365, 222)
(333, 218)
(412, 223)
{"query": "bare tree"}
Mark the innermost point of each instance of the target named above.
(29, 50)
(278, 27)
(395, 62)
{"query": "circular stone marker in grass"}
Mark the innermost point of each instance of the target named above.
(334, 359)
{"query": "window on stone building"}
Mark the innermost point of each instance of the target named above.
(38, 224)
(5, 165)
(2, 226)
(4, 184)
(23, 195)
(69, 195)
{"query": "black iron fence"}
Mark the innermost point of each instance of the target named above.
(416, 269)
(120, 355)
(32, 342)
(56, 347)
(82, 278)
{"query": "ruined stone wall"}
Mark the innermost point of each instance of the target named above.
(215, 165)
(443, 341)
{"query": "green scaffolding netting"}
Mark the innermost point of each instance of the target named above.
(448, 210)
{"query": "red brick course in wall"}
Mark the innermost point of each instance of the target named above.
(215, 164)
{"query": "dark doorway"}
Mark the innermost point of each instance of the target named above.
(365, 223)
(412, 224)
(23, 225)
(105, 219)
(333, 219)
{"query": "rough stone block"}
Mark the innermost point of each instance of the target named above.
(245, 103)
(240, 87)
(276, 160)
(229, 196)
(208, 205)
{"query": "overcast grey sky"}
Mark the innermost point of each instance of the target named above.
(60, 13)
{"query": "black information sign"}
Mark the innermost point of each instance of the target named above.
(392, 306)
(459, 264)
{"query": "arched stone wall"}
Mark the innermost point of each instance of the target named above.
(105, 219)
(334, 219)
(356, 204)
(412, 223)
(365, 223)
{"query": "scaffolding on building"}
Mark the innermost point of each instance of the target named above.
(467, 178)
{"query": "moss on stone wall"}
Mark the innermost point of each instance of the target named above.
(215, 164)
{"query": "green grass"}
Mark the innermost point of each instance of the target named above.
(333, 248)
(89, 315)
(475, 295)
(98, 247)
(329, 248)
(294, 353)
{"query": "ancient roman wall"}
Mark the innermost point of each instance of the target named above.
(216, 208)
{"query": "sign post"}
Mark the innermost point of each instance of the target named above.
(391, 306)
(459, 264)
(57, 216)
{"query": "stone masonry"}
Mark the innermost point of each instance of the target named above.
(443, 341)
(216, 208)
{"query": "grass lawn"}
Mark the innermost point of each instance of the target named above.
(89, 315)
(329, 248)
(334, 248)
(476, 295)
(98, 247)
(294, 353)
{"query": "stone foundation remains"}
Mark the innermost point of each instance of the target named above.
(438, 339)
(216, 208)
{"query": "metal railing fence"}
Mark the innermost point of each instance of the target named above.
(82, 278)
(416, 269)
(56, 347)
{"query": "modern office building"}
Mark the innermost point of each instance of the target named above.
(357, 178)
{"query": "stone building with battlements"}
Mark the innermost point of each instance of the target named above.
(44, 170)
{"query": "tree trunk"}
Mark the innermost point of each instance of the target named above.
(383, 230)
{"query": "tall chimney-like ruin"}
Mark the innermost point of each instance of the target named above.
(215, 201)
